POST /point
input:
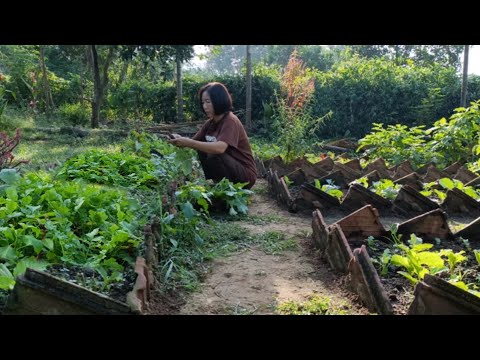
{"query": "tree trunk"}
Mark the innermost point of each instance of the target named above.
(99, 84)
(248, 114)
(179, 91)
(47, 93)
(97, 87)
(123, 73)
(463, 100)
(84, 75)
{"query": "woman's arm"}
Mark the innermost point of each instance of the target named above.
(217, 147)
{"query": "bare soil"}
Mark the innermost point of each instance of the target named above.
(254, 282)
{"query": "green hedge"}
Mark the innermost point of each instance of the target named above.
(140, 99)
(358, 91)
(361, 92)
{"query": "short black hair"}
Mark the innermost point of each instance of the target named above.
(219, 95)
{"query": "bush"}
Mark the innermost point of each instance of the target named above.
(77, 114)
(361, 92)
(144, 100)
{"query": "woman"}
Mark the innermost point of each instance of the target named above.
(222, 143)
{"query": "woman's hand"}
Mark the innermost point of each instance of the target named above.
(217, 147)
(181, 141)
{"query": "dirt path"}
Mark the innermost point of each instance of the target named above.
(253, 282)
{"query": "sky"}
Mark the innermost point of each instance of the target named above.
(473, 58)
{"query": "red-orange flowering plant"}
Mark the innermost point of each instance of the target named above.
(294, 122)
(7, 144)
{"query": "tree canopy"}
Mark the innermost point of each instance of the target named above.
(422, 55)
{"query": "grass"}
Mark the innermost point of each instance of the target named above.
(239, 309)
(52, 151)
(191, 264)
(263, 219)
(12, 119)
(275, 242)
(250, 219)
(46, 151)
(315, 305)
(260, 189)
(223, 238)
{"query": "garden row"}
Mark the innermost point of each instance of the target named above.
(360, 246)
(408, 200)
(344, 244)
(38, 292)
(72, 239)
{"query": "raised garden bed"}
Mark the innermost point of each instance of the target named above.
(41, 293)
(352, 251)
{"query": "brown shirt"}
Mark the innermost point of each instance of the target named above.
(231, 131)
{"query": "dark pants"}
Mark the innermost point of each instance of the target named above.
(219, 166)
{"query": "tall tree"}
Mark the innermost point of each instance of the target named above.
(314, 56)
(100, 81)
(47, 93)
(229, 59)
(66, 60)
(424, 55)
(248, 114)
(163, 55)
(179, 89)
(463, 98)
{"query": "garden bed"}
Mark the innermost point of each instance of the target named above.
(346, 251)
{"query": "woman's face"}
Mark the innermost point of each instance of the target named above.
(207, 105)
